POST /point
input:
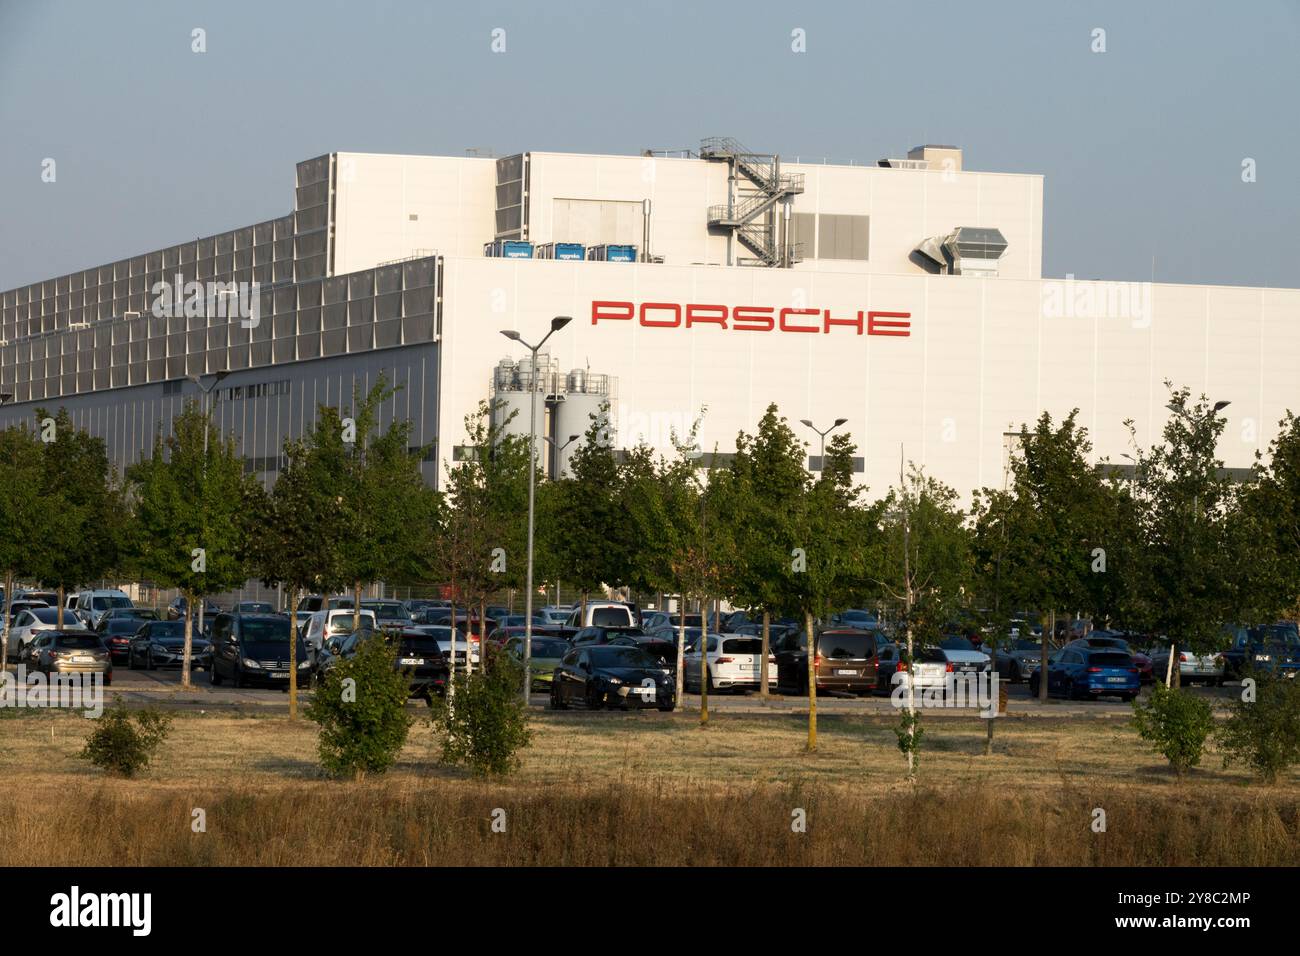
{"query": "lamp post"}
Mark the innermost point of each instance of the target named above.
(559, 451)
(217, 378)
(822, 435)
(557, 323)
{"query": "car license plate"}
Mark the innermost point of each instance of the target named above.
(280, 675)
(843, 672)
(412, 660)
(647, 693)
(1116, 680)
(83, 660)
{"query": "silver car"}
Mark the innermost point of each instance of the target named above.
(1207, 668)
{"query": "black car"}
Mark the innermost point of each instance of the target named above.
(116, 633)
(254, 649)
(162, 644)
(605, 675)
(140, 614)
(418, 656)
(602, 634)
(1274, 648)
(664, 652)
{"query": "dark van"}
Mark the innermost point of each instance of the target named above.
(253, 649)
(845, 661)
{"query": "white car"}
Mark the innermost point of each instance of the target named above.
(324, 625)
(929, 667)
(28, 623)
(603, 614)
(963, 656)
(733, 661)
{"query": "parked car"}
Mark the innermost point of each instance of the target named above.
(844, 660)
(503, 633)
(1192, 667)
(117, 633)
(389, 613)
(733, 663)
(929, 669)
(547, 652)
(254, 607)
(601, 634)
(254, 649)
(71, 652)
(964, 657)
(17, 607)
(554, 613)
(1273, 647)
(32, 594)
(418, 657)
(653, 620)
(604, 614)
(1017, 658)
(92, 604)
(606, 675)
(665, 652)
(443, 634)
(1080, 671)
(324, 625)
(176, 609)
(140, 614)
(311, 603)
(1119, 641)
(162, 644)
(856, 618)
(31, 621)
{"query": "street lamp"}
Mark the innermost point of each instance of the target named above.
(559, 451)
(557, 323)
(823, 434)
(217, 378)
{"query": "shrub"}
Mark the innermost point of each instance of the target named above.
(1177, 725)
(121, 746)
(1264, 732)
(361, 710)
(483, 721)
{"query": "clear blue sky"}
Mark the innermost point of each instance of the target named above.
(1141, 146)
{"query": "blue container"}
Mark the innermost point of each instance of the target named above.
(508, 249)
(570, 250)
(612, 253)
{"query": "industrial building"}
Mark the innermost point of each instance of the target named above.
(906, 297)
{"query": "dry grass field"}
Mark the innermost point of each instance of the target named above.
(643, 789)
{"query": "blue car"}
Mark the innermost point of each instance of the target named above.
(1077, 671)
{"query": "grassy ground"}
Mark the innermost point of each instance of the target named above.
(643, 788)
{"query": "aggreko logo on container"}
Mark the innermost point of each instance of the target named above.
(749, 318)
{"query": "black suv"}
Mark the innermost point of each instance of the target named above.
(252, 649)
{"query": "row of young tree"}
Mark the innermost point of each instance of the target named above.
(1173, 547)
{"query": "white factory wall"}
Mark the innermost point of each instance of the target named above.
(452, 198)
(982, 355)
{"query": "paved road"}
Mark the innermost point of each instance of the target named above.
(163, 688)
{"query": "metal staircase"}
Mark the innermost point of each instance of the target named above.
(756, 192)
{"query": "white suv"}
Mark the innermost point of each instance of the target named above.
(323, 625)
(732, 662)
(604, 614)
(91, 605)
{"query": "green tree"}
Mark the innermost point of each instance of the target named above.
(27, 516)
(91, 522)
(193, 505)
(361, 710)
(1271, 520)
(770, 481)
(387, 505)
(1187, 508)
(925, 565)
(1054, 521)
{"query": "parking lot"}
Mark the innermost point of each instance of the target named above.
(163, 688)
